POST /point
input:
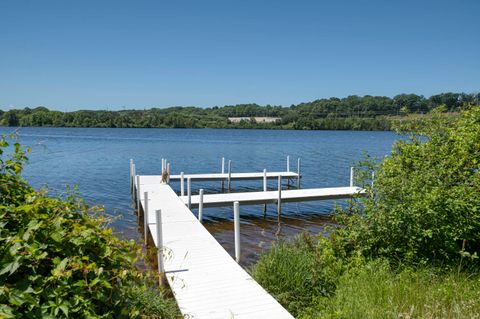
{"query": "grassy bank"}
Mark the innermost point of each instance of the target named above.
(363, 289)
(410, 249)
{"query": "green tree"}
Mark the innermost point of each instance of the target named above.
(425, 203)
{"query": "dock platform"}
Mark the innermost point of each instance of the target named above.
(205, 279)
(222, 176)
(294, 195)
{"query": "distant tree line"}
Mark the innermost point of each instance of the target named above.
(349, 113)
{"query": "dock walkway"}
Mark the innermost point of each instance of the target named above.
(205, 279)
(294, 195)
(222, 176)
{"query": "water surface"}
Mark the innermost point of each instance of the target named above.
(97, 161)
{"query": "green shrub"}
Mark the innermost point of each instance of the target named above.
(299, 272)
(422, 214)
(60, 259)
(425, 203)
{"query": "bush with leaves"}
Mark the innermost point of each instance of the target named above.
(59, 258)
(421, 218)
(424, 206)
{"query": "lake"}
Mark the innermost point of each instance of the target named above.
(97, 161)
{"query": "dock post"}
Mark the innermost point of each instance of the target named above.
(182, 184)
(264, 180)
(288, 170)
(264, 189)
(168, 172)
(222, 183)
(200, 206)
(236, 219)
(279, 201)
(163, 165)
(161, 268)
(298, 173)
(351, 176)
(189, 191)
(131, 174)
(145, 216)
(133, 180)
(137, 193)
(229, 174)
(373, 177)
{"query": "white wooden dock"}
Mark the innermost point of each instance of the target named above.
(234, 176)
(206, 281)
(294, 195)
(222, 176)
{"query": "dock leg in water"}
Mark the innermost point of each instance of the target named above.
(298, 173)
(137, 196)
(236, 221)
(279, 201)
(222, 183)
(265, 211)
(161, 267)
(229, 174)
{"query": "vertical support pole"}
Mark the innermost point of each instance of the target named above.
(351, 176)
(131, 174)
(182, 184)
(163, 165)
(138, 194)
(264, 189)
(264, 180)
(145, 216)
(200, 206)
(222, 183)
(161, 269)
(288, 170)
(168, 172)
(229, 174)
(133, 180)
(373, 178)
(236, 220)
(279, 201)
(189, 191)
(298, 173)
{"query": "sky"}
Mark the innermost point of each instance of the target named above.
(70, 55)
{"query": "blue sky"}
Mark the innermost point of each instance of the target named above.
(70, 55)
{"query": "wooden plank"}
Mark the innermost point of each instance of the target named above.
(206, 281)
(294, 195)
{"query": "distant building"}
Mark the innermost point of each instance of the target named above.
(257, 119)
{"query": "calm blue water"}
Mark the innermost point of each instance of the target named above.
(97, 160)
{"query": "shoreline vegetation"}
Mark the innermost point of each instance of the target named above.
(410, 249)
(379, 113)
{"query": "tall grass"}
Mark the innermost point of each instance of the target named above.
(370, 289)
(286, 272)
(374, 291)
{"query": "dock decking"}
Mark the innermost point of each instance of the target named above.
(294, 195)
(206, 281)
(222, 176)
